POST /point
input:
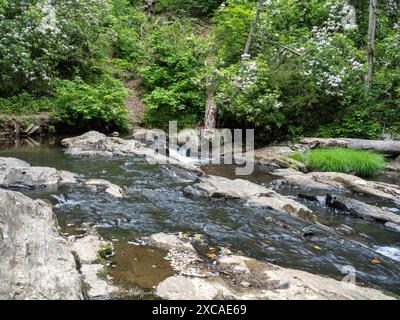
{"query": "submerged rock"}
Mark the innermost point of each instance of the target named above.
(110, 188)
(36, 263)
(18, 174)
(243, 278)
(334, 181)
(168, 241)
(252, 193)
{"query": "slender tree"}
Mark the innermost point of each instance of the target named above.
(253, 29)
(371, 43)
(210, 120)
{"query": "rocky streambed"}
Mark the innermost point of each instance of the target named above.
(130, 229)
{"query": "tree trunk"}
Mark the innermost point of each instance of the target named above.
(210, 120)
(253, 29)
(371, 43)
(381, 146)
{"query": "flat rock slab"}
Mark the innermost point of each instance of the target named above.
(18, 174)
(168, 241)
(334, 181)
(247, 279)
(362, 210)
(250, 192)
(87, 248)
(35, 261)
(96, 288)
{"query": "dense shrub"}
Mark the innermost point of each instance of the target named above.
(360, 163)
(195, 7)
(99, 105)
(172, 77)
(26, 104)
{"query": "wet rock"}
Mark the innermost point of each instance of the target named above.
(18, 174)
(35, 261)
(333, 181)
(110, 188)
(393, 166)
(168, 241)
(252, 193)
(362, 210)
(96, 288)
(392, 226)
(245, 278)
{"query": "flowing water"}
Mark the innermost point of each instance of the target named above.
(155, 203)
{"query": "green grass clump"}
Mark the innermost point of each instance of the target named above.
(360, 163)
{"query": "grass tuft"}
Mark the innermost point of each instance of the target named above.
(359, 163)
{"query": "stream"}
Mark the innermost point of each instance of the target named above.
(155, 203)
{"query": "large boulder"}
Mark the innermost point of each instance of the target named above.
(97, 145)
(35, 261)
(217, 187)
(18, 174)
(94, 144)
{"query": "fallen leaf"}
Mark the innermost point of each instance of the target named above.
(211, 255)
(317, 248)
(197, 236)
(376, 261)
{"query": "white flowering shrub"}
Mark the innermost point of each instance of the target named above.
(44, 39)
(316, 56)
(244, 95)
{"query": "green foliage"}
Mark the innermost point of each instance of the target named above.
(26, 104)
(245, 97)
(99, 105)
(360, 163)
(172, 77)
(43, 40)
(194, 7)
(128, 23)
(230, 31)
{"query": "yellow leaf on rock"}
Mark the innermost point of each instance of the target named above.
(376, 261)
(317, 248)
